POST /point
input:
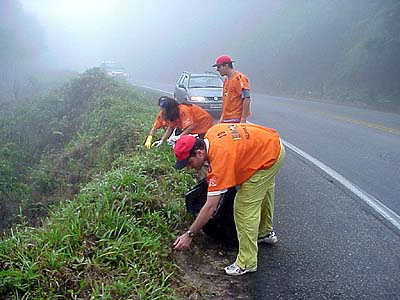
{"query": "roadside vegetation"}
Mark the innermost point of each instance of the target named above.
(90, 213)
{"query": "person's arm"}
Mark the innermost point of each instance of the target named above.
(153, 131)
(157, 124)
(188, 129)
(245, 110)
(183, 241)
(164, 137)
(167, 133)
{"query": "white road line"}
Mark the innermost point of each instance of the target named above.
(374, 203)
(158, 90)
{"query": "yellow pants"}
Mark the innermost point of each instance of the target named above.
(253, 211)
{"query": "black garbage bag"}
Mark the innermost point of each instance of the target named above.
(221, 226)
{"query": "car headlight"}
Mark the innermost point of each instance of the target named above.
(197, 98)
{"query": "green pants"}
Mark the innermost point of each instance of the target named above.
(253, 211)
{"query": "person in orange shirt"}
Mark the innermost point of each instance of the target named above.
(160, 122)
(192, 119)
(241, 154)
(235, 93)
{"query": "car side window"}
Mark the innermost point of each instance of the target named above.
(179, 80)
(185, 80)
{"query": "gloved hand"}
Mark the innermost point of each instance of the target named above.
(157, 143)
(172, 139)
(148, 141)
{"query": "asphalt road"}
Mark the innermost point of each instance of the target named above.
(332, 244)
(360, 144)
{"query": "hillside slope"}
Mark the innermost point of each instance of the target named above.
(112, 207)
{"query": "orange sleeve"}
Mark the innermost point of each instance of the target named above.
(243, 83)
(240, 83)
(159, 121)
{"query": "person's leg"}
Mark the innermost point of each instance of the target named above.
(267, 207)
(267, 211)
(247, 210)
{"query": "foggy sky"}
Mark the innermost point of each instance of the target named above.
(152, 39)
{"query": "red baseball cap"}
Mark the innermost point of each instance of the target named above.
(182, 150)
(222, 59)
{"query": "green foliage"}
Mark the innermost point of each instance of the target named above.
(54, 145)
(113, 239)
(342, 50)
(21, 62)
(13, 191)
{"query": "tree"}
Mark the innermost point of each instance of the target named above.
(20, 47)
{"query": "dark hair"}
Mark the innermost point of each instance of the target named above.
(198, 144)
(164, 100)
(172, 109)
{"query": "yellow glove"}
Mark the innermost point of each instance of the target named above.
(148, 141)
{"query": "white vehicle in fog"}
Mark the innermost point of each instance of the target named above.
(114, 69)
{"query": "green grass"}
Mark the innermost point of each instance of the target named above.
(113, 239)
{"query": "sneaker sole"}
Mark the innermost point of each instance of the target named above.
(244, 272)
(268, 241)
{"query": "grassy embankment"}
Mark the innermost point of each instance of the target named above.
(115, 207)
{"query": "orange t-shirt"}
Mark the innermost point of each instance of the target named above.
(237, 151)
(232, 102)
(193, 114)
(159, 122)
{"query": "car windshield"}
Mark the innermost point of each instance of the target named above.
(205, 82)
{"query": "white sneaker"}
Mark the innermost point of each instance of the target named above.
(235, 270)
(270, 238)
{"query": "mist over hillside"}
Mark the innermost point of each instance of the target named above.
(25, 71)
(347, 51)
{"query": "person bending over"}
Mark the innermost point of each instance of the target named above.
(241, 154)
(160, 122)
(191, 118)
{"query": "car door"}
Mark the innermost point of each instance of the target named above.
(181, 88)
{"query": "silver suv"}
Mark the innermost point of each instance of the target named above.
(203, 89)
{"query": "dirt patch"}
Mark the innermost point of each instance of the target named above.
(202, 271)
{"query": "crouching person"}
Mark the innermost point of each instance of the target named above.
(237, 154)
(161, 122)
